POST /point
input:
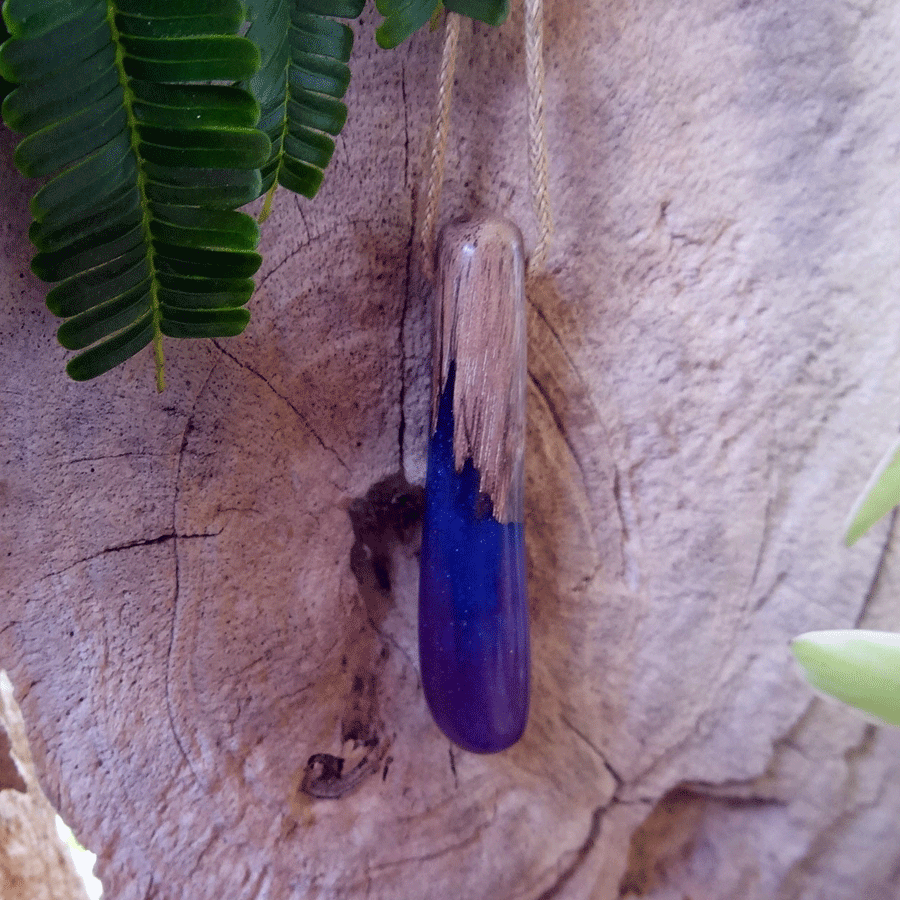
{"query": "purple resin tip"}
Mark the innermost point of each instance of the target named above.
(473, 605)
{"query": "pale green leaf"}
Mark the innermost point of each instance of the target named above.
(879, 497)
(861, 668)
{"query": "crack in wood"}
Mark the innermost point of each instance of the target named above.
(875, 582)
(822, 845)
(581, 854)
(304, 421)
(560, 428)
(176, 606)
(453, 766)
(616, 777)
(450, 849)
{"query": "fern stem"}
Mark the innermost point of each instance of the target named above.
(159, 360)
(270, 194)
(266, 210)
(158, 357)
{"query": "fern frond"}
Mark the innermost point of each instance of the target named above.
(148, 153)
(300, 86)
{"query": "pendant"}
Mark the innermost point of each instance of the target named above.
(473, 604)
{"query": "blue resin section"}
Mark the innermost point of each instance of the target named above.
(473, 605)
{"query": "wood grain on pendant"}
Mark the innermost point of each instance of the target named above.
(473, 608)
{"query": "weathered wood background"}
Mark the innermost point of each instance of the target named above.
(207, 602)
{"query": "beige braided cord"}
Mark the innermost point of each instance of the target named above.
(438, 143)
(538, 164)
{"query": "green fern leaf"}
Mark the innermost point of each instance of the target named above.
(404, 17)
(5, 86)
(300, 86)
(147, 154)
(491, 12)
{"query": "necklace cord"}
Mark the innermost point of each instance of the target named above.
(437, 144)
(538, 160)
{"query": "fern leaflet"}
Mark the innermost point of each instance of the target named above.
(404, 17)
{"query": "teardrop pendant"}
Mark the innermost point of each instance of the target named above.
(473, 606)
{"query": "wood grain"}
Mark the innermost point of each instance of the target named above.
(479, 325)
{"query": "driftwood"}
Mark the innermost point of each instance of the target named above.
(209, 595)
(34, 862)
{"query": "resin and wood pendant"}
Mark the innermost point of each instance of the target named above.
(473, 604)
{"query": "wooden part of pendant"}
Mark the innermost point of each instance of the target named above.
(473, 606)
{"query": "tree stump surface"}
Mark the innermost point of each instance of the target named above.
(210, 594)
